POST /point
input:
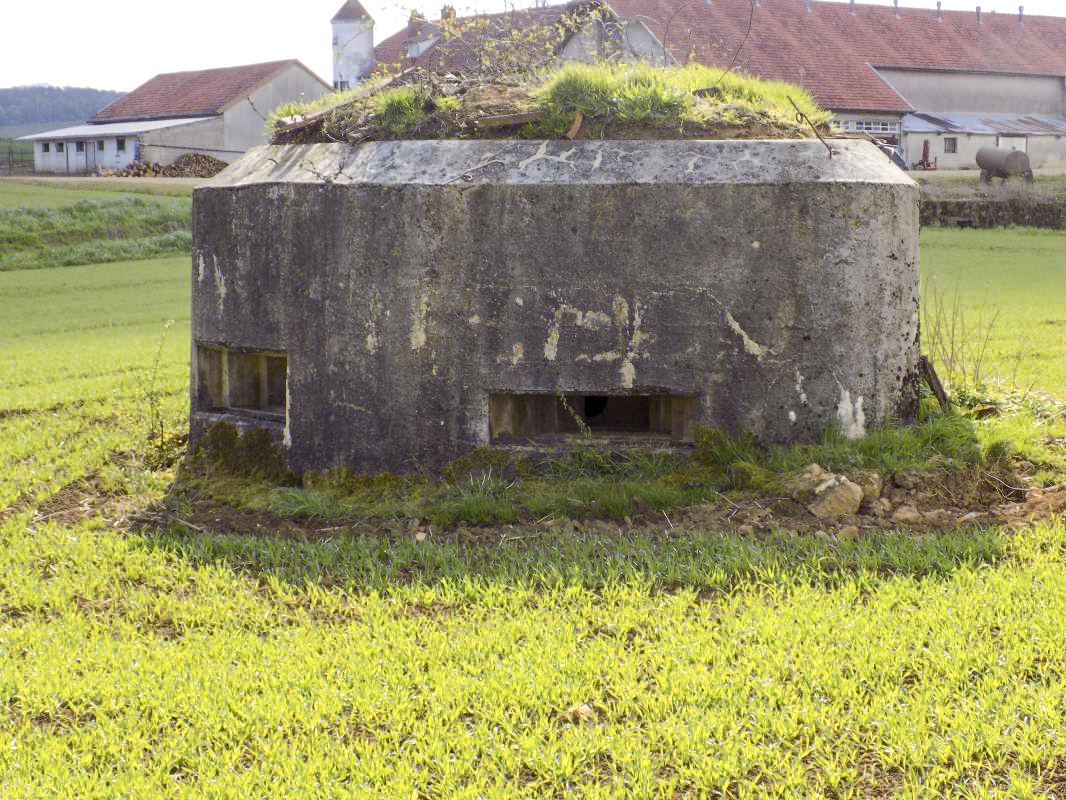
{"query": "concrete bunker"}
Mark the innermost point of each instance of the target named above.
(394, 305)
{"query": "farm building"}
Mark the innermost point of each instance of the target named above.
(882, 69)
(952, 140)
(216, 112)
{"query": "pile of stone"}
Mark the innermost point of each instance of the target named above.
(190, 165)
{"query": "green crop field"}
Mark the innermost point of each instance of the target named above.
(595, 661)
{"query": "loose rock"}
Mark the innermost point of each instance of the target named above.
(908, 515)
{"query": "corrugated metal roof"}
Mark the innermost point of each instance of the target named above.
(993, 124)
(112, 129)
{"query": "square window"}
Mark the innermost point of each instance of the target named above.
(59, 147)
(79, 147)
(951, 144)
(120, 144)
(45, 147)
(237, 380)
(100, 146)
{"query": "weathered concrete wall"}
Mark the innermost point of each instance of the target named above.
(408, 281)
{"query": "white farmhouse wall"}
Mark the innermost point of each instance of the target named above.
(166, 145)
(932, 91)
(967, 146)
(245, 123)
(1046, 152)
(90, 159)
(353, 51)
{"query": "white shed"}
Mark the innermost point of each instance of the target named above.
(216, 112)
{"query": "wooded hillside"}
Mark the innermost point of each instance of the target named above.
(20, 105)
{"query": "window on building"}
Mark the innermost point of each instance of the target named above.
(120, 144)
(951, 144)
(59, 147)
(520, 417)
(845, 125)
(45, 147)
(876, 126)
(239, 380)
(340, 86)
(100, 145)
(79, 147)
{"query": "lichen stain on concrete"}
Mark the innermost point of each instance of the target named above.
(220, 289)
(518, 352)
(636, 337)
(751, 346)
(590, 320)
(474, 321)
(200, 266)
(800, 390)
(542, 155)
(851, 416)
(606, 357)
(694, 160)
(418, 324)
(372, 340)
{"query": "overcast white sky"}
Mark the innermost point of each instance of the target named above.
(123, 43)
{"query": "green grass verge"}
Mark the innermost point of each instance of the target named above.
(94, 231)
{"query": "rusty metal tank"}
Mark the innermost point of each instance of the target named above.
(995, 162)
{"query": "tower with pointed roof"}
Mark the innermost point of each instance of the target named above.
(353, 44)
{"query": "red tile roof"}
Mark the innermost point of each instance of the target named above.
(202, 93)
(830, 51)
(353, 10)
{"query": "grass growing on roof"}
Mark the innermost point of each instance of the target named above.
(645, 94)
(678, 101)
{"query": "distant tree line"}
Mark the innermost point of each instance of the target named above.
(28, 104)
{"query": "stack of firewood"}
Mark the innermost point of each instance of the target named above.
(190, 165)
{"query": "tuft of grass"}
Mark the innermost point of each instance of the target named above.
(666, 95)
(942, 439)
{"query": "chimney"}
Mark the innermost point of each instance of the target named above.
(939, 14)
(897, 9)
(807, 4)
(979, 16)
(1021, 15)
(852, 10)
